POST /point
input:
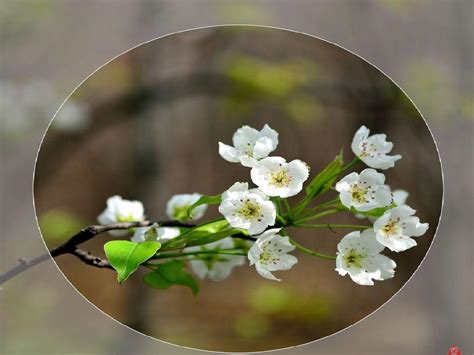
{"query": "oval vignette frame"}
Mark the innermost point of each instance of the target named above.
(264, 27)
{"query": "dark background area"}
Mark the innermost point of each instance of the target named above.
(50, 46)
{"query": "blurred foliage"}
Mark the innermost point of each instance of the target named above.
(234, 12)
(288, 302)
(270, 304)
(252, 325)
(432, 90)
(17, 17)
(257, 82)
(401, 6)
(58, 225)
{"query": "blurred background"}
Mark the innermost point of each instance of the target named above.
(49, 47)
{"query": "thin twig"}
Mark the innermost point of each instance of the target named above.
(70, 246)
(90, 259)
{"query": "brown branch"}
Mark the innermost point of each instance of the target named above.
(92, 260)
(70, 246)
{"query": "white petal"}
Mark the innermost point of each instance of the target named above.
(346, 199)
(257, 227)
(245, 137)
(229, 153)
(268, 233)
(384, 162)
(340, 267)
(106, 217)
(400, 197)
(220, 271)
(403, 211)
(286, 262)
(414, 227)
(383, 196)
(260, 193)
(167, 233)
(248, 161)
(361, 277)
(346, 181)
(372, 177)
(254, 253)
(384, 268)
(267, 131)
(396, 243)
(199, 267)
(263, 147)
(298, 170)
(380, 143)
(361, 134)
(370, 242)
(236, 187)
(265, 273)
(349, 241)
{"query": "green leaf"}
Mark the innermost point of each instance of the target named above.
(376, 212)
(203, 234)
(169, 274)
(204, 200)
(325, 178)
(126, 256)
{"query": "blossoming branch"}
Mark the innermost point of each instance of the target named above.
(255, 219)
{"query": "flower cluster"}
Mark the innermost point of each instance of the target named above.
(359, 253)
(255, 218)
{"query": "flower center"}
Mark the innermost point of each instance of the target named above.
(368, 150)
(359, 193)
(247, 149)
(280, 178)
(249, 210)
(266, 257)
(353, 259)
(391, 228)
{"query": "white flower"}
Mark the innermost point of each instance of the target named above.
(216, 267)
(250, 145)
(247, 209)
(373, 150)
(275, 177)
(359, 256)
(270, 253)
(396, 227)
(364, 191)
(120, 210)
(177, 207)
(155, 233)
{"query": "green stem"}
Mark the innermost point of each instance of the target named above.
(277, 202)
(317, 215)
(311, 210)
(288, 209)
(307, 199)
(281, 219)
(331, 225)
(199, 226)
(200, 252)
(311, 252)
